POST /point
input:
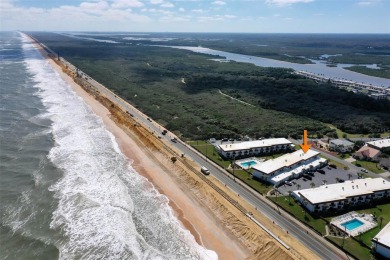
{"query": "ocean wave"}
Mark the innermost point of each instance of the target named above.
(106, 210)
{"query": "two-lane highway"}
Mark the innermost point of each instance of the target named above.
(317, 244)
(313, 241)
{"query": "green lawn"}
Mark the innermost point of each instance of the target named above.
(371, 166)
(341, 134)
(379, 211)
(350, 245)
(299, 213)
(330, 161)
(209, 150)
(204, 146)
(262, 188)
(353, 247)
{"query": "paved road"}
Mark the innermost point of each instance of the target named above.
(313, 241)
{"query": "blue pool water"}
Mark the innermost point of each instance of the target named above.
(248, 164)
(352, 224)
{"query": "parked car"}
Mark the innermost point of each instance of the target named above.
(288, 183)
(329, 168)
(307, 176)
(333, 166)
(321, 171)
(341, 180)
(224, 139)
(364, 170)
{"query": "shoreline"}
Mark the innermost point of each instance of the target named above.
(192, 215)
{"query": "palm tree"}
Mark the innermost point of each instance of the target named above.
(381, 219)
(298, 186)
(349, 176)
(312, 184)
(289, 197)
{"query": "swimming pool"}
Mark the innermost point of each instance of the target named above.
(352, 224)
(248, 164)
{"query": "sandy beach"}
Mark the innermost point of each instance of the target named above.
(214, 222)
(193, 215)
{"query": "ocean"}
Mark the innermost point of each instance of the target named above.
(66, 190)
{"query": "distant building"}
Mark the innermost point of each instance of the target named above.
(341, 145)
(367, 153)
(253, 148)
(381, 242)
(379, 144)
(323, 143)
(379, 96)
(288, 166)
(340, 195)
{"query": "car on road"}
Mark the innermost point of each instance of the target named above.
(174, 139)
(204, 170)
(164, 132)
(364, 170)
(150, 120)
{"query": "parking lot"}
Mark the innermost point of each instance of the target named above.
(330, 177)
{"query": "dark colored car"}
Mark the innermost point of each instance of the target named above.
(321, 171)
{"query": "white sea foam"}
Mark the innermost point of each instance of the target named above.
(106, 209)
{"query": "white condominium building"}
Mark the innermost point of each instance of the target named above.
(288, 166)
(340, 195)
(253, 148)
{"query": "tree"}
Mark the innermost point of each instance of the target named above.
(381, 219)
(349, 176)
(298, 186)
(289, 197)
(312, 184)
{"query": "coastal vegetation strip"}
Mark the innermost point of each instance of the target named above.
(381, 72)
(127, 121)
(196, 110)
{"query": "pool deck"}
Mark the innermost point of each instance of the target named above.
(246, 160)
(366, 219)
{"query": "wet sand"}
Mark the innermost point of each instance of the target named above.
(193, 215)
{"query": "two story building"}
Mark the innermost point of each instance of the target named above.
(381, 242)
(340, 195)
(289, 166)
(253, 148)
(341, 145)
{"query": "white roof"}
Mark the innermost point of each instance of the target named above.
(285, 175)
(383, 236)
(380, 143)
(286, 160)
(253, 144)
(341, 142)
(341, 191)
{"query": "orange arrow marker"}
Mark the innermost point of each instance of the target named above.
(305, 147)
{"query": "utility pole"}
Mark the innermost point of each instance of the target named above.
(234, 167)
